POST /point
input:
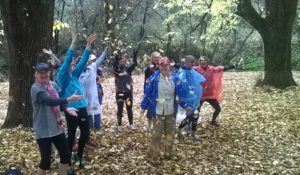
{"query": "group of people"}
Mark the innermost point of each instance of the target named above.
(78, 93)
(187, 88)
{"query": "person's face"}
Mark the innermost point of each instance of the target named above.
(155, 60)
(165, 69)
(203, 62)
(43, 76)
(92, 59)
(190, 63)
(122, 62)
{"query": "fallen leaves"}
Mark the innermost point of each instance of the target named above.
(259, 134)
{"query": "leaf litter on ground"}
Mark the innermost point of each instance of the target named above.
(259, 134)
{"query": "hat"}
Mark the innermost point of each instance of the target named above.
(92, 57)
(164, 60)
(42, 66)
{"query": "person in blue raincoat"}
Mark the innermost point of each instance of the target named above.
(189, 92)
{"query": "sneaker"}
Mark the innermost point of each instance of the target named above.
(70, 171)
(79, 164)
(180, 135)
(75, 157)
(131, 127)
(119, 128)
(154, 162)
(170, 156)
(92, 142)
(148, 128)
(195, 137)
(215, 123)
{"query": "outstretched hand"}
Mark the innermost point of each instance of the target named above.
(72, 111)
(74, 97)
(106, 49)
(90, 40)
(49, 52)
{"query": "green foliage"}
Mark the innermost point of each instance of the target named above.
(206, 27)
(59, 25)
(253, 64)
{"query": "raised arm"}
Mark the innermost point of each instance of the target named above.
(134, 64)
(101, 58)
(85, 56)
(229, 67)
(116, 63)
(64, 68)
(218, 69)
(53, 56)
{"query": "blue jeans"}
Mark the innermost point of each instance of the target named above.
(96, 121)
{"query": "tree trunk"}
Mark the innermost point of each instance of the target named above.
(28, 28)
(60, 16)
(168, 47)
(276, 31)
(278, 66)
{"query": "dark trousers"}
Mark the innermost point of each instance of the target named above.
(124, 97)
(215, 104)
(192, 120)
(45, 147)
(83, 121)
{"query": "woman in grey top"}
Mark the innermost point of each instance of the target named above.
(47, 123)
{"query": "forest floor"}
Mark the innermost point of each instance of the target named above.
(259, 134)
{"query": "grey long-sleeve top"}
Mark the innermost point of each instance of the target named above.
(44, 119)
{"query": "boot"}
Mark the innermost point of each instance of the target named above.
(41, 172)
(195, 137)
(71, 171)
(215, 123)
(63, 169)
(183, 123)
(119, 128)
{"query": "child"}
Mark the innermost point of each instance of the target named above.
(99, 79)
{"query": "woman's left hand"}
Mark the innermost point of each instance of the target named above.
(49, 52)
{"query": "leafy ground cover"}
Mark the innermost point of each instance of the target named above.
(259, 134)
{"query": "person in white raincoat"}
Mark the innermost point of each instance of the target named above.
(88, 80)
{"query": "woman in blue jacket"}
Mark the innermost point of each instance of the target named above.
(189, 92)
(68, 80)
(160, 101)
